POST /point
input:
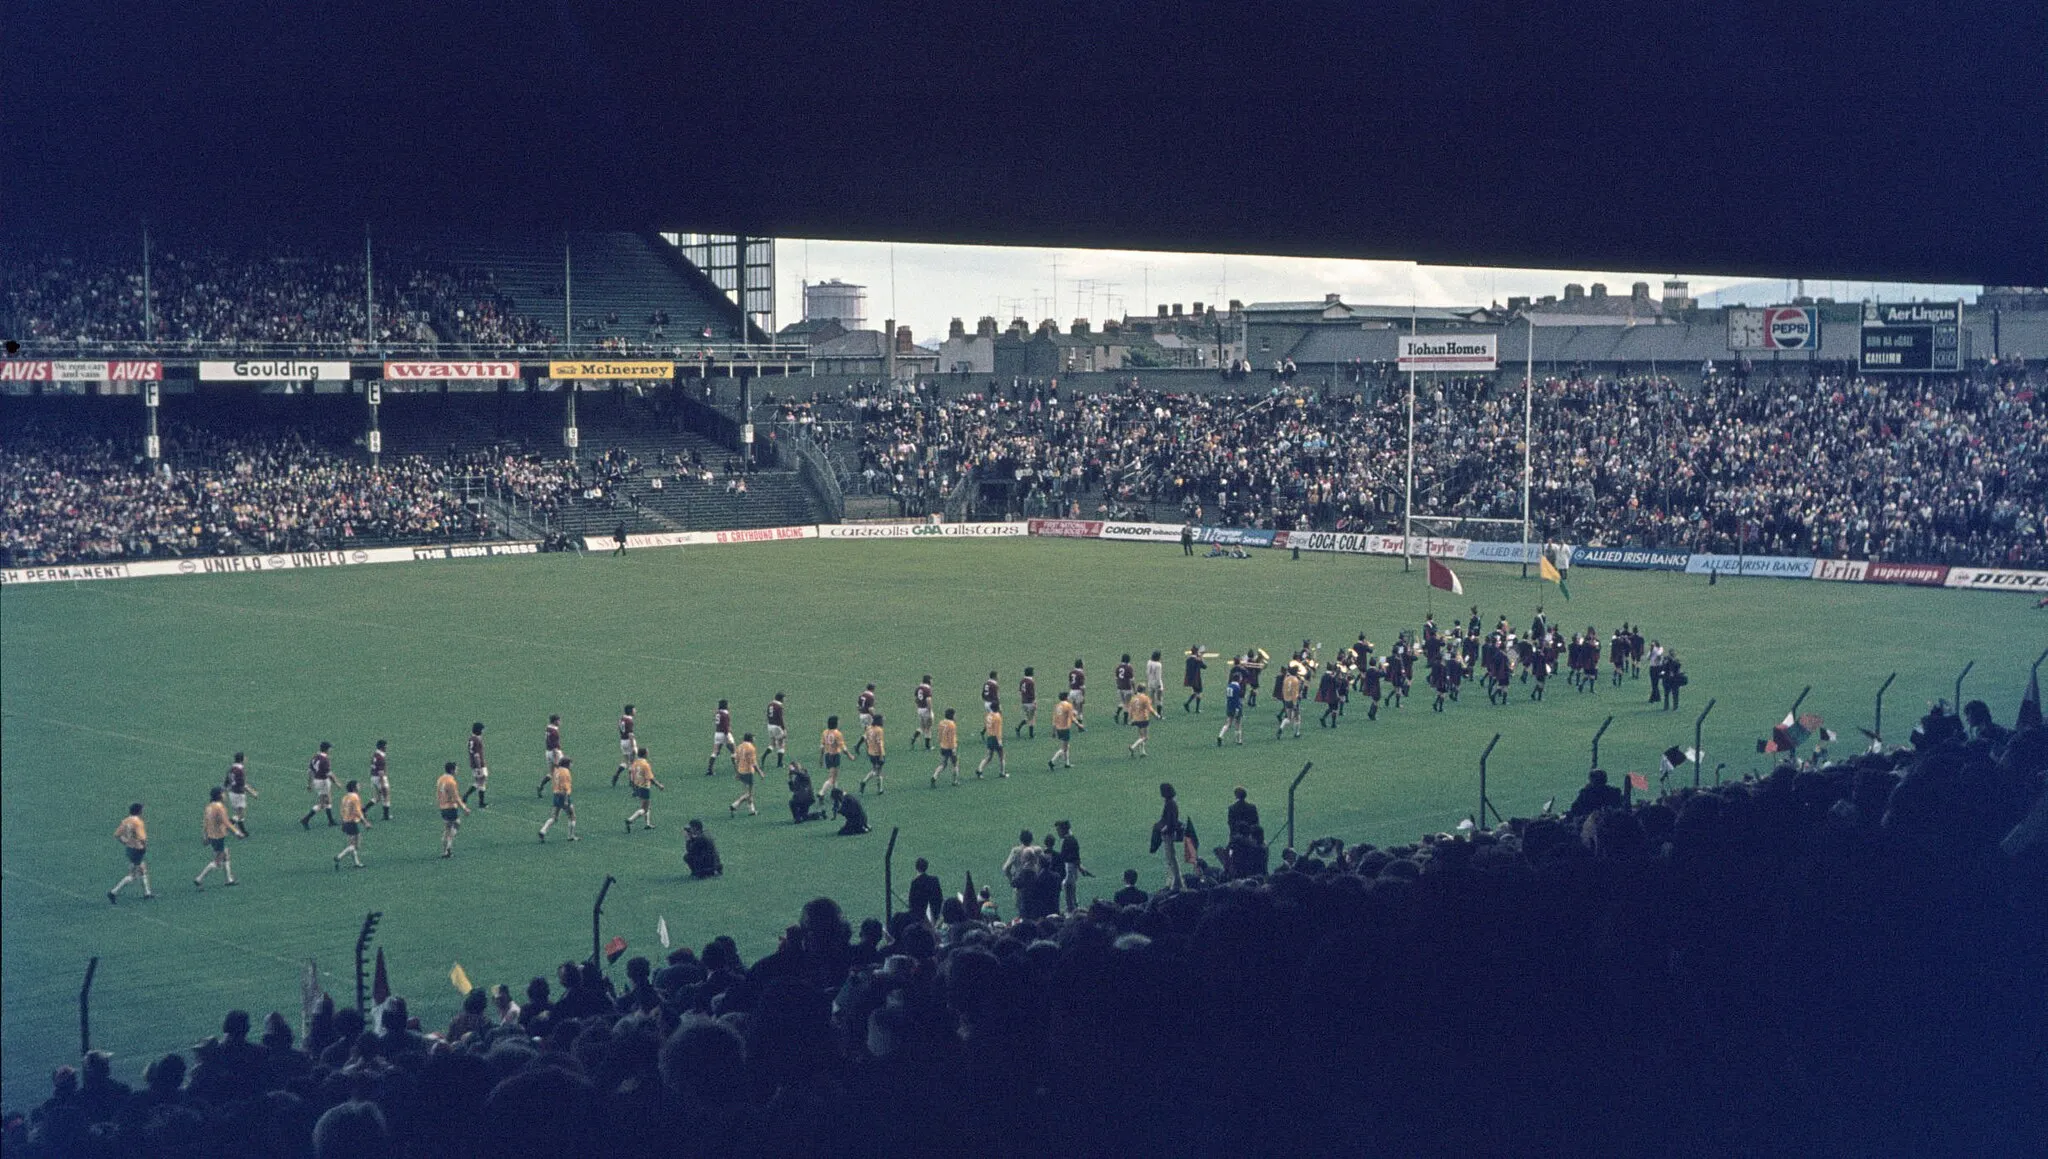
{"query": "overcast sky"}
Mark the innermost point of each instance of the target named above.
(926, 286)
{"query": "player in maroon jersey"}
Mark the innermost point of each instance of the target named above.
(629, 746)
(922, 698)
(778, 729)
(380, 779)
(320, 783)
(864, 711)
(1126, 683)
(479, 772)
(1027, 695)
(721, 737)
(991, 694)
(239, 792)
(551, 744)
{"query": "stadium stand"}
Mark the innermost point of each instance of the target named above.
(1751, 968)
(631, 291)
(1936, 471)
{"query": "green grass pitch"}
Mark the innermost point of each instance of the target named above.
(141, 690)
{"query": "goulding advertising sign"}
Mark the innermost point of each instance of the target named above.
(1641, 559)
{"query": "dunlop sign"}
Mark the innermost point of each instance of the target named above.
(611, 369)
(1449, 352)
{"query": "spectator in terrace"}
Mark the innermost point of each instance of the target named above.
(1596, 795)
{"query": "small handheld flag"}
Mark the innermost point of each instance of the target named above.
(460, 979)
(380, 989)
(2030, 704)
(1548, 570)
(661, 931)
(613, 949)
(1441, 576)
(1639, 782)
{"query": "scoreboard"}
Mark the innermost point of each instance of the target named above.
(1918, 337)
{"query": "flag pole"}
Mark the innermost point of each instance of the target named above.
(1596, 742)
(1485, 804)
(596, 913)
(1957, 706)
(1408, 501)
(1877, 721)
(1698, 753)
(1528, 407)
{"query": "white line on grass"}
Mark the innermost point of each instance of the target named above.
(175, 927)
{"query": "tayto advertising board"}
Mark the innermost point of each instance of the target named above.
(1234, 536)
(273, 370)
(1998, 579)
(1927, 574)
(1441, 548)
(1769, 566)
(469, 371)
(1459, 352)
(601, 368)
(1067, 528)
(1640, 559)
(1840, 570)
(1142, 532)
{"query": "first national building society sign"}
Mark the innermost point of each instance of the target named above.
(1456, 352)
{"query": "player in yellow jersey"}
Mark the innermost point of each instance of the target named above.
(1290, 702)
(448, 798)
(992, 740)
(214, 827)
(746, 766)
(134, 838)
(948, 732)
(1141, 713)
(832, 749)
(1063, 716)
(640, 775)
(353, 822)
(873, 739)
(565, 800)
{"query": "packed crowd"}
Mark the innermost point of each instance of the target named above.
(71, 500)
(1746, 968)
(1925, 470)
(76, 299)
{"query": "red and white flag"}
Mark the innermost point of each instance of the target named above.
(1441, 576)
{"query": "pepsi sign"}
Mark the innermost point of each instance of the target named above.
(1791, 328)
